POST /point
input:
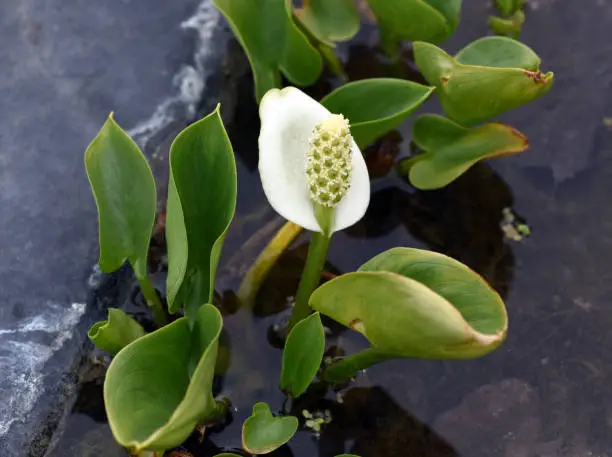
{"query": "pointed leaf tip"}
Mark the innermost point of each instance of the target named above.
(201, 205)
(124, 190)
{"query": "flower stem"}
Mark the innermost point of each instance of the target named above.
(348, 367)
(153, 302)
(317, 254)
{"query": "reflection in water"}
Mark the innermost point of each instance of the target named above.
(369, 423)
(461, 220)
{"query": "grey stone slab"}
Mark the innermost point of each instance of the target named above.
(64, 67)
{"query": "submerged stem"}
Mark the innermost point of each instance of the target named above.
(317, 254)
(153, 302)
(333, 61)
(390, 45)
(348, 367)
(218, 412)
(266, 260)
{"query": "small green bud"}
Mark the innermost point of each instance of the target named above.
(328, 161)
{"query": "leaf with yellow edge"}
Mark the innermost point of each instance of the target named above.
(449, 149)
(415, 303)
(488, 77)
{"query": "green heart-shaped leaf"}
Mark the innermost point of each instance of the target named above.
(450, 149)
(272, 41)
(302, 355)
(376, 106)
(415, 303)
(329, 22)
(114, 334)
(425, 20)
(151, 401)
(124, 190)
(262, 433)
(490, 76)
(201, 205)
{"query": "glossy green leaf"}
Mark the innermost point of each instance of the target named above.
(302, 355)
(151, 401)
(490, 76)
(114, 334)
(376, 106)
(262, 433)
(416, 303)
(329, 22)
(201, 205)
(426, 20)
(450, 149)
(300, 61)
(124, 190)
(271, 40)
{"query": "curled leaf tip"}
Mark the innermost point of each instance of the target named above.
(539, 77)
(357, 325)
(492, 339)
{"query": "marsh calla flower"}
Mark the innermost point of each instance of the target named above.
(308, 159)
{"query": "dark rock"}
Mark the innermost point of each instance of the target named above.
(65, 67)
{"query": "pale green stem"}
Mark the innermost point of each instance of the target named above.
(259, 270)
(348, 367)
(153, 302)
(311, 276)
(220, 411)
(333, 62)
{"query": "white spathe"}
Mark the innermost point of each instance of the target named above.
(288, 118)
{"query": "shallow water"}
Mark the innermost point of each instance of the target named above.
(544, 392)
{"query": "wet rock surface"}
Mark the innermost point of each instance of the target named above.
(64, 68)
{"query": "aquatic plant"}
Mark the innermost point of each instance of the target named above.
(406, 302)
